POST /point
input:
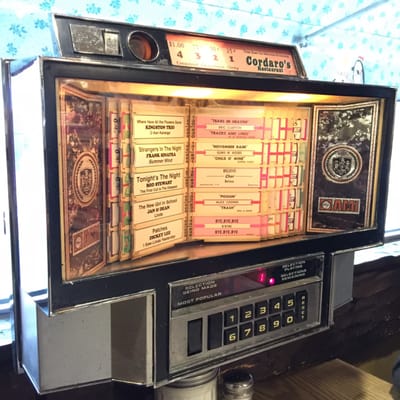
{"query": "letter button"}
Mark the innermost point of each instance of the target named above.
(214, 338)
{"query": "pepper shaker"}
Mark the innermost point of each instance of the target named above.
(238, 385)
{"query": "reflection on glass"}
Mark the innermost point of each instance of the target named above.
(147, 167)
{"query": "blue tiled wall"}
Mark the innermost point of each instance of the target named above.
(25, 28)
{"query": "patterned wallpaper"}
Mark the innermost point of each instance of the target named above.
(329, 54)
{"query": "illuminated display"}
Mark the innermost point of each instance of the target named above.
(179, 170)
(202, 291)
(199, 52)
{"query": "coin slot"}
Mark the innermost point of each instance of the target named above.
(143, 46)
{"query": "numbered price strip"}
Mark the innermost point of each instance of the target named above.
(202, 52)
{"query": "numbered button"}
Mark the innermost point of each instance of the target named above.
(261, 309)
(289, 301)
(260, 326)
(274, 322)
(246, 313)
(288, 318)
(246, 331)
(230, 336)
(231, 317)
(275, 305)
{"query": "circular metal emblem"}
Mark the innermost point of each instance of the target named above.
(341, 164)
(85, 178)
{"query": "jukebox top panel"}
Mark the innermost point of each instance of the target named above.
(117, 42)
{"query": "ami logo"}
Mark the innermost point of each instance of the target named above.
(338, 205)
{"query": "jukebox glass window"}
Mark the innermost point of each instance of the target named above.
(146, 169)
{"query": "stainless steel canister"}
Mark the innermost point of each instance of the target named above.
(198, 387)
(238, 385)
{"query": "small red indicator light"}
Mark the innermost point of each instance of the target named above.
(261, 277)
(271, 281)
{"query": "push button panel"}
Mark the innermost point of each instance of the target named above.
(241, 322)
(296, 303)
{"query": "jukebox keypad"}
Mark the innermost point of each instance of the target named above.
(236, 314)
(248, 320)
